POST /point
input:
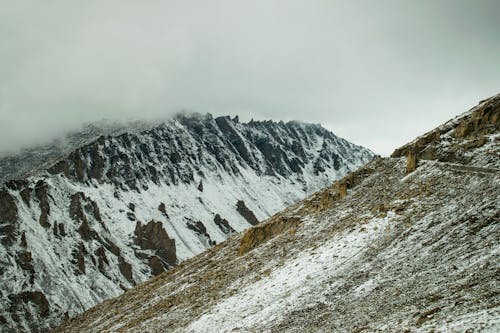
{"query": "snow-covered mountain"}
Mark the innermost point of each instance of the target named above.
(84, 220)
(409, 243)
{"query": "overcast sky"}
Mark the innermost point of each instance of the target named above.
(378, 73)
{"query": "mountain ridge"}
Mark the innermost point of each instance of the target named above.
(407, 243)
(121, 209)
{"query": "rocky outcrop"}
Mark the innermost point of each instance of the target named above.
(82, 208)
(8, 218)
(411, 162)
(21, 301)
(43, 203)
(246, 213)
(223, 225)
(152, 236)
(88, 192)
(199, 228)
(162, 208)
(126, 270)
(380, 249)
(156, 265)
(262, 233)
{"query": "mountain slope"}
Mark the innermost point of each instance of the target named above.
(402, 244)
(126, 206)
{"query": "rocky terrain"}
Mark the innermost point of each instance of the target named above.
(85, 219)
(404, 244)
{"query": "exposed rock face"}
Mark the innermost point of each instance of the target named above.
(37, 298)
(262, 233)
(199, 228)
(223, 224)
(126, 270)
(156, 265)
(43, 203)
(411, 162)
(380, 250)
(163, 210)
(153, 236)
(8, 218)
(246, 213)
(75, 206)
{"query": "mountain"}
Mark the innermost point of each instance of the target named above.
(408, 243)
(87, 218)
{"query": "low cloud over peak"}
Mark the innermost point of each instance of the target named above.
(375, 73)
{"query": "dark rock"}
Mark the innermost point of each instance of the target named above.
(163, 209)
(60, 167)
(156, 265)
(26, 195)
(84, 230)
(95, 211)
(96, 162)
(131, 206)
(223, 224)
(8, 218)
(43, 203)
(200, 186)
(16, 184)
(131, 216)
(36, 298)
(101, 259)
(125, 269)
(62, 232)
(24, 243)
(79, 210)
(25, 261)
(78, 166)
(199, 228)
(79, 255)
(75, 207)
(111, 247)
(153, 236)
(246, 212)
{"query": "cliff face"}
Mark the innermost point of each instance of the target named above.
(131, 204)
(392, 247)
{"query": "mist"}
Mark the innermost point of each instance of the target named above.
(376, 73)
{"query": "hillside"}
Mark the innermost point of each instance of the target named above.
(83, 220)
(404, 244)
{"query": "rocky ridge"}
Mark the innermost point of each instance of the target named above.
(124, 205)
(397, 246)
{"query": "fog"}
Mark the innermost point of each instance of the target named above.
(377, 73)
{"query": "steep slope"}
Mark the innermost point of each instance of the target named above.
(126, 206)
(400, 245)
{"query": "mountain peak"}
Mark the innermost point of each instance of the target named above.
(127, 203)
(382, 249)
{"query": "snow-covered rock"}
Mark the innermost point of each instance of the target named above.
(384, 249)
(85, 220)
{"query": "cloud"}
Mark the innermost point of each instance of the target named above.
(378, 73)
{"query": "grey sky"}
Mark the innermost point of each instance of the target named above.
(378, 73)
